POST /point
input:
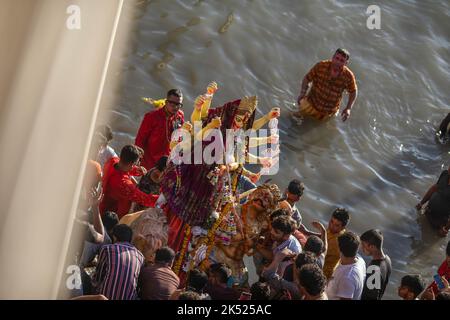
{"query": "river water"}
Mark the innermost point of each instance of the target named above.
(378, 164)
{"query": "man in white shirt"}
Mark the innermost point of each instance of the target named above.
(347, 282)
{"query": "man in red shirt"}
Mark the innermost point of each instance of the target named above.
(156, 129)
(119, 190)
(444, 270)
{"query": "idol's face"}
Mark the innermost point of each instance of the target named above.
(240, 120)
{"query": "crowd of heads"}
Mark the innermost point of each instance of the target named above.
(302, 272)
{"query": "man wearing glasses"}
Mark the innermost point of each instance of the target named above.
(154, 134)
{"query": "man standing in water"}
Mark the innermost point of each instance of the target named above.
(155, 133)
(329, 80)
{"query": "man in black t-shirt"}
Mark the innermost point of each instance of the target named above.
(379, 269)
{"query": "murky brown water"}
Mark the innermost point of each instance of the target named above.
(379, 163)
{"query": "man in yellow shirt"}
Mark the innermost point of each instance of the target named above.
(336, 227)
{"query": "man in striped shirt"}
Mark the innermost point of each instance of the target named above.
(119, 266)
(330, 78)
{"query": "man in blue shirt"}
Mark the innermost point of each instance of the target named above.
(282, 229)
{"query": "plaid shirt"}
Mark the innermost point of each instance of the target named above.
(326, 92)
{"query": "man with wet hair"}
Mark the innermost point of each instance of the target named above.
(329, 78)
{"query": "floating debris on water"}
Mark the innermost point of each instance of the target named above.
(193, 22)
(227, 24)
(161, 66)
(401, 147)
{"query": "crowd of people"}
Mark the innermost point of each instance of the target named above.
(204, 218)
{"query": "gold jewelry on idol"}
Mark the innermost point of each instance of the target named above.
(247, 105)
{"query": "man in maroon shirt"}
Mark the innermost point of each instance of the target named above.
(158, 281)
(156, 129)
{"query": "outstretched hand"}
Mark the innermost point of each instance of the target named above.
(274, 139)
(266, 162)
(212, 88)
(216, 123)
(274, 113)
(94, 198)
(187, 126)
(319, 226)
(198, 103)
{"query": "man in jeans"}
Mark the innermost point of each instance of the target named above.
(347, 281)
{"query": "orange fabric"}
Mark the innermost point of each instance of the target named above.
(326, 92)
(333, 254)
(307, 110)
(443, 271)
(93, 174)
(119, 191)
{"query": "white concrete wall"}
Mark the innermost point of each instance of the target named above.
(51, 81)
